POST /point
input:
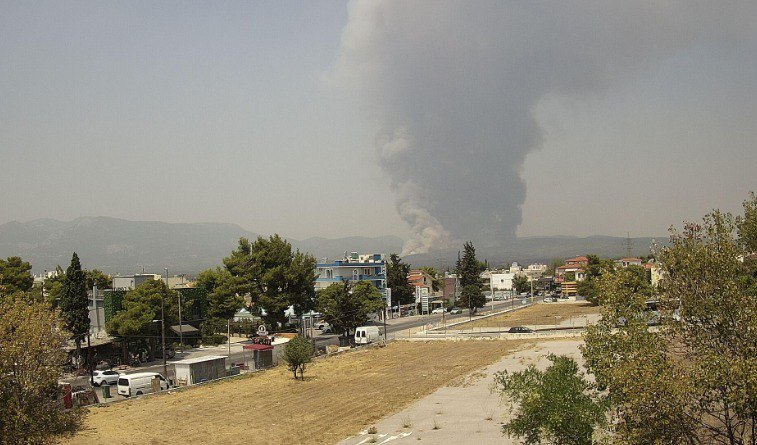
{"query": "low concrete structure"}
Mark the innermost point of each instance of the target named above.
(192, 371)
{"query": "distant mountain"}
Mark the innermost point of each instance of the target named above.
(122, 246)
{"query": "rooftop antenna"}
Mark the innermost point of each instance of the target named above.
(629, 245)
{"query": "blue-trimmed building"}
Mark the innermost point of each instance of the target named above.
(353, 268)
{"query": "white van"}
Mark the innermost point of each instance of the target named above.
(139, 383)
(367, 334)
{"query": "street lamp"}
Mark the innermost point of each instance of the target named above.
(181, 329)
(163, 336)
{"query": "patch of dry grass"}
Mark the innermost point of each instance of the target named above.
(340, 396)
(538, 314)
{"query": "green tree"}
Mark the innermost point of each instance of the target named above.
(693, 381)
(557, 404)
(32, 338)
(396, 279)
(15, 276)
(53, 287)
(469, 273)
(141, 306)
(274, 275)
(346, 306)
(96, 277)
(472, 297)
(297, 355)
(468, 267)
(521, 283)
(747, 225)
(74, 303)
(223, 301)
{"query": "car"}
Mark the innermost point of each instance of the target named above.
(108, 376)
(549, 300)
(520, 330)
(455, 310)
(439, 310)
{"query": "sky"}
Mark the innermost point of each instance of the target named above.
(436, 121)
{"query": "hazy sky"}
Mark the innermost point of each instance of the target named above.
(434, 121)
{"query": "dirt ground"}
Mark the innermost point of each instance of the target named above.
(341, 396)
(539, 314)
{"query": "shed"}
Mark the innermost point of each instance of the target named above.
(192, 371)
(262, 355)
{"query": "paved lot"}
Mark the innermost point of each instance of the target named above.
(464, 412)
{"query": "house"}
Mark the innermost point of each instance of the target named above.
(625, 262)
(420, 278)
(580, 261)
(575, 266)
(353, 268)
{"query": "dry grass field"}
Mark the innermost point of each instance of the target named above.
(340, 396)
(538, 314)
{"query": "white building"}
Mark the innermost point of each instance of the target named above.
(502, 281)
(129, 282)
(353, 268)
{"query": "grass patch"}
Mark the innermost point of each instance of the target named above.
(322, 410)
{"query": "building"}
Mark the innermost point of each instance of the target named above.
(129, 282)
(569, 288)
(420, 278)
(535, 271)
(451, 291)
(501, 281)
(353, 268)
(575, 266)
(625, 262)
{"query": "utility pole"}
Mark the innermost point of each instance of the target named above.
(181, 326)
(228, 335)
(385, 324)
(163, 335)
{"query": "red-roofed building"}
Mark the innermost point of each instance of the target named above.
(419, 278)
(577, 261)
(625, 262)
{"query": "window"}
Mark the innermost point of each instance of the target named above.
(367, 271)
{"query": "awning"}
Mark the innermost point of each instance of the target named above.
(255, 347)
(185, 329)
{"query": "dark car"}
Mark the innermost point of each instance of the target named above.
(520, 330)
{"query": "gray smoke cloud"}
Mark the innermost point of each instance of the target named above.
(453, 85)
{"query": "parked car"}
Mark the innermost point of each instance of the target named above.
(108, 376)
(321, 325)
(520, 330)
(455, 310)
(438, 310)
(549, 300)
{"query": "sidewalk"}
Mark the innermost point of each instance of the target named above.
(465, 411)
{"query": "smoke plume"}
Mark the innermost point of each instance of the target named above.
(452, 87)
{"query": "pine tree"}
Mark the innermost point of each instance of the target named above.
(396, 279)
(74, 302)
(470, 279)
